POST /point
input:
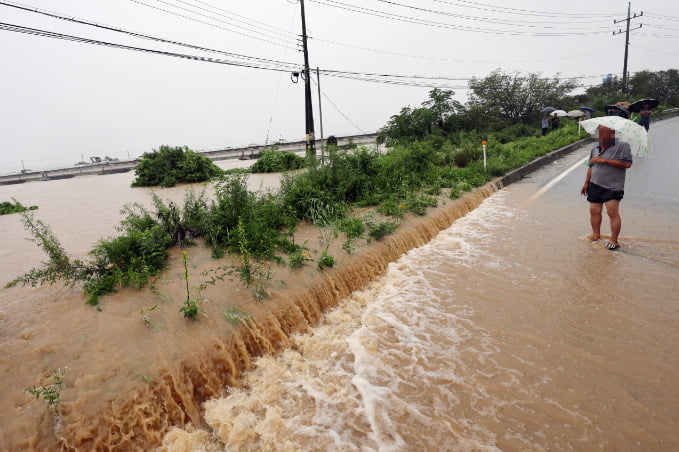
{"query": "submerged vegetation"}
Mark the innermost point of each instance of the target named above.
(430, 155)
(7, 207)
(169, 166)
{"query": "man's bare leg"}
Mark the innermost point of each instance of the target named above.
(595, 219)
(613, 210)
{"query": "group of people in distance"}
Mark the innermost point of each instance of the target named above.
(622, 109)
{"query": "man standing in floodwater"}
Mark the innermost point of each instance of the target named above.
(605, 183)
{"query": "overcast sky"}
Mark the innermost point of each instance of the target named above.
(63, 101)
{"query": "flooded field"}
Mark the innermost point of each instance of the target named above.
(510, 330)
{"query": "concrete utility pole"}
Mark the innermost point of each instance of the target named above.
(320, 111)
(624, 68)
(310, 139)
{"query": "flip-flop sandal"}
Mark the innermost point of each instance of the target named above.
(610, 246)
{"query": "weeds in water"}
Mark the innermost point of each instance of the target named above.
(418, 203)
(348, 247)
(299, 258)
(252, 271)
(382, 229)
(7, 207)
(352, 227)
(190, 307)
(325, 260)
(235, 316)
(50, 393)
(144, 313)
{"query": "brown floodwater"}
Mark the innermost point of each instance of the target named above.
(510, 330)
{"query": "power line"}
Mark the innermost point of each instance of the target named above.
(412, 20)
(61, 36)
(457, 60)
(249, 28)
(284, 32)
(393, 79)
(516, 23)
(211, 25)
(337, 108)
(522, 12)
(292, 66)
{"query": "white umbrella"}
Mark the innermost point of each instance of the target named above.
(558, 113)
(625, 130)
(575, 113)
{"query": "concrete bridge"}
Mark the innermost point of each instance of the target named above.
(111, 167)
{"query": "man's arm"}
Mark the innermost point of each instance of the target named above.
(611, 162)
(583, 191)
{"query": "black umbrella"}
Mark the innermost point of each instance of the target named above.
(637, 106)
(616, 110)
(548, 110)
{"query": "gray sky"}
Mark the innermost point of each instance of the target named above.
(63, 100)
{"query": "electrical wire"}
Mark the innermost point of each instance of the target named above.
(661, 27)
(284, 32)
(457, 60)
(412, 20)
(655, 50)
(62, 36)
(272, 67)
(292, 66)
(522, 12)
(337, 108)
(210, 24)
(516, 23)
(257, 28)
(661, 16)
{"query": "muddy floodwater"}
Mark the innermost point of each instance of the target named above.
(510, 330)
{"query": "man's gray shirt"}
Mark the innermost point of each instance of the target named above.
(608, 176)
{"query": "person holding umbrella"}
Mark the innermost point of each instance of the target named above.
(644, 107)
(605, 181)
(587, 111)
(545, 119)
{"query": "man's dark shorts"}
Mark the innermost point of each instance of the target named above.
(599, 195)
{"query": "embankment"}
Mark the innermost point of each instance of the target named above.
(178, 378)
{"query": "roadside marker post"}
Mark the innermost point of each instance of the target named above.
(483, 143)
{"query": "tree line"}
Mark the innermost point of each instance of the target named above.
(504, 100)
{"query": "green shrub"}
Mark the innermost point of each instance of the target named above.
(169, 166)
(418, 203)
(326, 260)
(271, 161)
(380, 230)
(392, 209)
(352, 227)
(7, 207)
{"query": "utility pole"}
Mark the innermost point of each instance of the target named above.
(320, 111)
(624, 68)
(310, 139)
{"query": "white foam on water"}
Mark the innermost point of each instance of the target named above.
(400, 366)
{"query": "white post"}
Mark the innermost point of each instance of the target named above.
(483, 143)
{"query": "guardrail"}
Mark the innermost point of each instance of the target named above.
(110, 167)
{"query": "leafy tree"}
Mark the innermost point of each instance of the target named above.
(661, 85)
(513, 97)
(409, 125)
(442, 104)
(171, 165)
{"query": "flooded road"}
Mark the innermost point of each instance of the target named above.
(509, 331)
